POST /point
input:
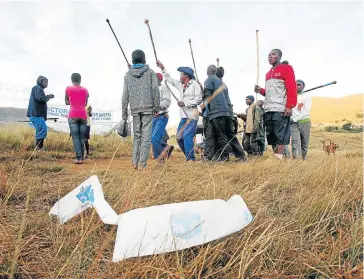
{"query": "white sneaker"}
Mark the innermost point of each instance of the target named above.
(279, 156)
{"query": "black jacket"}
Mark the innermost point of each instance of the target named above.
(38, 100)
(219, 105)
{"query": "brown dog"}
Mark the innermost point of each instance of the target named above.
(329, 146)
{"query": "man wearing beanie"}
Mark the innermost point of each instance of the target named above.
(190, 98)
(253, 128)
(37, 110)
(141, 92)
(280, 98)
(300, 123)
(233, 124)
(160, 121)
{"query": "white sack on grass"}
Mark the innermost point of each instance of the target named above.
(161, 228)
(170, 227)
(88, 194)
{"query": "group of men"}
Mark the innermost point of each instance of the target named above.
(149, 101)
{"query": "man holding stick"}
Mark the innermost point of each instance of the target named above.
(218, 118)
(300, 123)
(280, 98)
(190, 98)
(142, 93)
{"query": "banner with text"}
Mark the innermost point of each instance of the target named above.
(61, 112)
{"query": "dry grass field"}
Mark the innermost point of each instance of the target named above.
(308, 215)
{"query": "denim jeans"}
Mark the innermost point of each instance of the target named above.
(77, 129)
(158, 132)
(185, 137)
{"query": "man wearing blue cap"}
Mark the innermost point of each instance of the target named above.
(190, 98)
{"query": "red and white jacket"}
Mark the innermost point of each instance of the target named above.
(280, 89)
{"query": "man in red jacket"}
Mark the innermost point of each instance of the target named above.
(280, 97)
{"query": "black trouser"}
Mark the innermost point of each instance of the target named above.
(209, 140)
(216, 130)
(250, 143)
(233, 140)
(261, 146)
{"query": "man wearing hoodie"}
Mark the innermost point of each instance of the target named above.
(280, 98)
(232, 127)
(300, 123)
(37, 110)
(190, 98)
(142, 94)
(160, 122)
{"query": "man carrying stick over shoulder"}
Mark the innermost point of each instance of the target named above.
(300, 123)
(190, 98)
(280, 98)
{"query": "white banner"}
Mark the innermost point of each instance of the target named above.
(61, 112)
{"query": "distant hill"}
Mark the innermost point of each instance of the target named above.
(12, 114)
(337, 110)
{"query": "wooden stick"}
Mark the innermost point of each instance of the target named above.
(257, 39)
(175, 97)
(193, 59)
(112, 30)
(151, 37)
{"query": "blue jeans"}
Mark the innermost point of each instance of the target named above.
(77, 129)
(158, 132)
(40, 127)
(185, 138)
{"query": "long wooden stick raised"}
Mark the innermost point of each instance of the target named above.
(151, 37)
(193, 59)
(257, 39)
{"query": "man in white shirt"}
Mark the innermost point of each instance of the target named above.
(190, 98)
(160, 121)
(300, 123)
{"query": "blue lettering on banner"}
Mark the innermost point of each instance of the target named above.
(86, 195)
(186, 225)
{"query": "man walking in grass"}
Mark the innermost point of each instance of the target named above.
(37, 110)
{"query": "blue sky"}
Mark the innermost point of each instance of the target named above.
(323, 41)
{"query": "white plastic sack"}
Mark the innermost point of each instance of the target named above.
(88, 194)
(170, 227)
(157, 229)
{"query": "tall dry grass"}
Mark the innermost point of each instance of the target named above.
(308, 218)
(19, 140)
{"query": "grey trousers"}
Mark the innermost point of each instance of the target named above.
(142, 128)
(300, 133)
